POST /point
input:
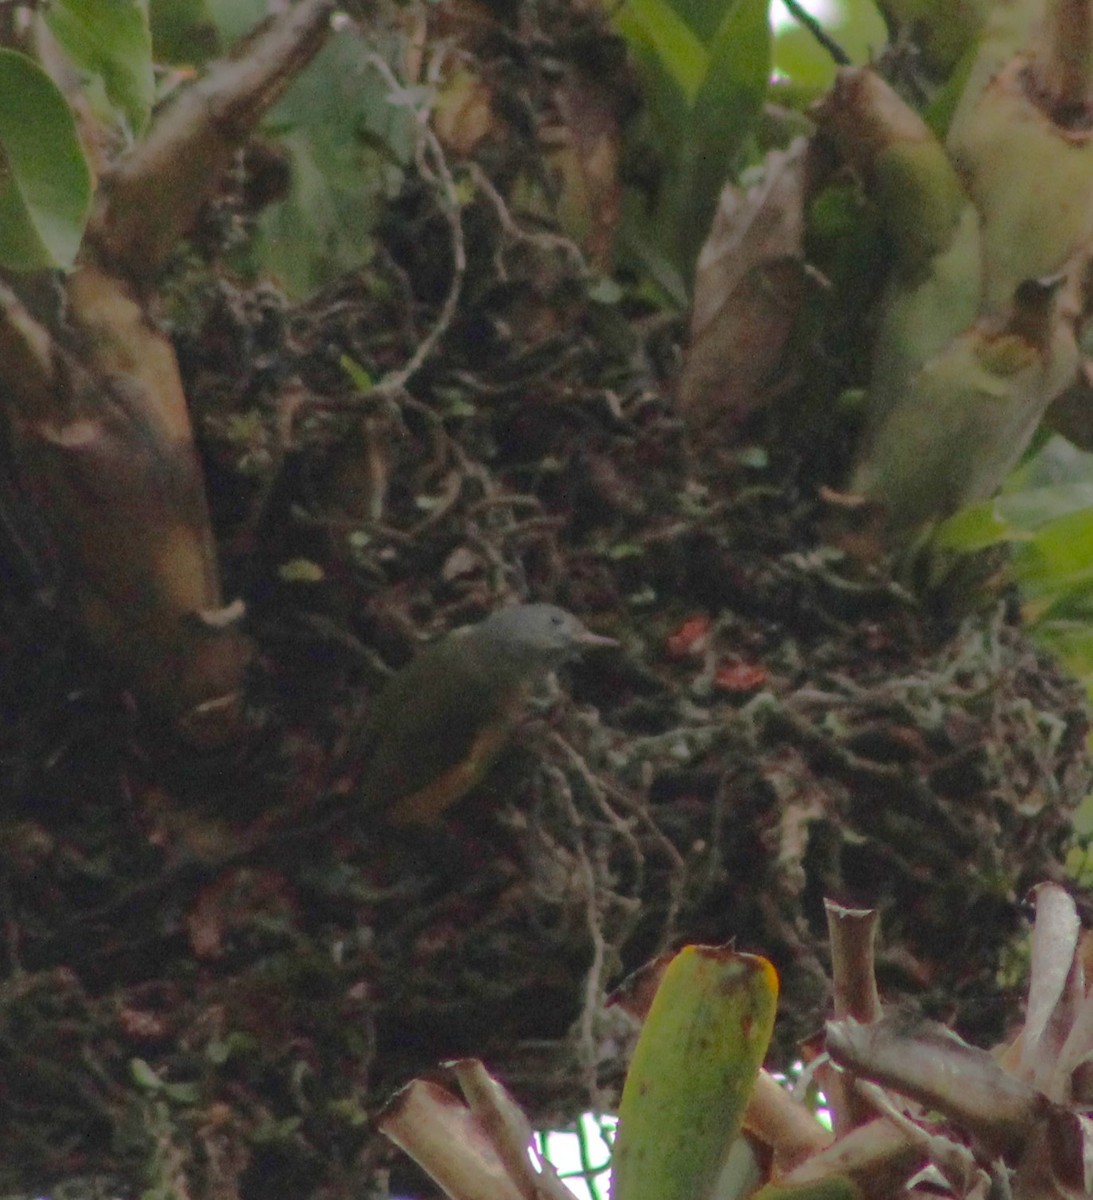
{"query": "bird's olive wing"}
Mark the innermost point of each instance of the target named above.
(426, 721)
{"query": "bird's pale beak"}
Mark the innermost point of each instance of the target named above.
(586, 638)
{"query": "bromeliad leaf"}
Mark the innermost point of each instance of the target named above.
(723, 112)
(706, 69)
(693, 1070)
(655, 26)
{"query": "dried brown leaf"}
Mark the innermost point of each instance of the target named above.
(448, 1142)
(929, 1063)
(587, 161)
(508, 1129)
(877, 1156)
(782, 1122)
(749, 285)
(1055, 985)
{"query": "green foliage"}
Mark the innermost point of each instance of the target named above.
(146, 1078)
(943, 30)
(349, 140)
(705, 17)
(109, 41)
(1049, 528)
(45, 189)
(954, 402)
(808, 67)
(667, 45)
(183, 31)
(705, 67)
(725, 107)
(692, 1073)
(236, 18)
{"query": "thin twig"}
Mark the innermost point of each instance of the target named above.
(433, 165)
(597, 790)
(594, 980)
(805, 18)
(542, 241)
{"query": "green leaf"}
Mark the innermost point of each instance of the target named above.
(236, 18)
(349, 143)
(703, 16)
(219, 1050)
(110, 39)
(1072, 643)
(801, 59)
(182, 1093)
(656, 27)
(1053, 524)
(938, 114)
(1056, 563)
(144, 1076)
(975, 528)
(356, 374)
(604, 290)
(45, 180)
(692, 1074)
(183, 31)
(740, 61)
(723, 115)
(647, 243)
(270, 1130)
(301, 570)
(854, 24)
(705, 67)
(1032, 508)
(623, 550)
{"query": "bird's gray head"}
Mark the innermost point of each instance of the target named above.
(533, 638)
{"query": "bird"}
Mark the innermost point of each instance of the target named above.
(440, 722)
(433, 733)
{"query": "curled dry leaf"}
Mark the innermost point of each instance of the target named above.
(740, 677)
(509, 1131)
(749, 285)
(780, 1121)
(930, 1064)
(877, 1156)
(463, 116)
(479, 1150)
(1055, 985)
(585, 158)
(691, 638)
(447, 1141)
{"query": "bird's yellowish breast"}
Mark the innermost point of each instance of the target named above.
(427, 804)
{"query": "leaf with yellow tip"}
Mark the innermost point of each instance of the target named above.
(693, 1070)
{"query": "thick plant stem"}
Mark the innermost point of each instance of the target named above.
(1065, 71)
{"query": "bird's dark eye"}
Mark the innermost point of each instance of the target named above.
(556, 619)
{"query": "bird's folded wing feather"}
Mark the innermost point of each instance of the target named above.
(427, 721)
